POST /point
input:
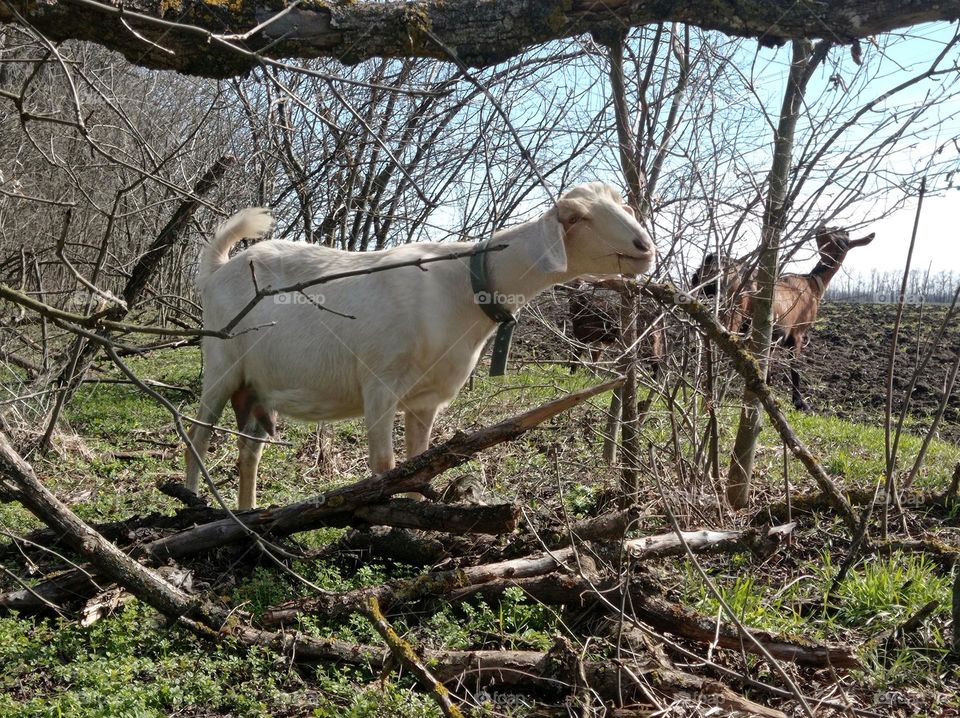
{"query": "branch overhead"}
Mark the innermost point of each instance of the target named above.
(219, 39)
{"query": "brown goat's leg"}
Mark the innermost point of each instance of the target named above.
(794, 343)
(798, 401)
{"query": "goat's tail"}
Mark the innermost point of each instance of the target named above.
(250, 223)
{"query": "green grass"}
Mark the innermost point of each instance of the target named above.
(133, 664)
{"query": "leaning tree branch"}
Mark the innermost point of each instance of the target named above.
(748, 368)
(408, 658)
(217, 39)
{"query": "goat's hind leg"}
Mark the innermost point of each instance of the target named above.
(248, 461)
(255, 422)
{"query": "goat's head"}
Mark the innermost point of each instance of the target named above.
(592, 231)
(707, 274)
(833, 244)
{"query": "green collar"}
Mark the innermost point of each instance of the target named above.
(484, 296)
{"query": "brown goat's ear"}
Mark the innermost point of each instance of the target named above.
(570, 211)
(862, 241)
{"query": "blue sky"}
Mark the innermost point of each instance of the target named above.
(938, 246)
(758, 82)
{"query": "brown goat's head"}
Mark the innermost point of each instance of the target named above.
(834, 243)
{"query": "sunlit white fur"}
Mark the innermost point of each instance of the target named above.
(410, 338)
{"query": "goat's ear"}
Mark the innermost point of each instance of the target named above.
(862, 241)
(546, 249)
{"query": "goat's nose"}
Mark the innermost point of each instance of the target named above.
(643, 244)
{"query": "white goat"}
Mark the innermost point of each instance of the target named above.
(400, 340)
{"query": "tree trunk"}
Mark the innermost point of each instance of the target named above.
(803, 62)
(195, 38)
(623, 404)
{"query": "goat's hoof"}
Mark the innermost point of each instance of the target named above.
(801, 405)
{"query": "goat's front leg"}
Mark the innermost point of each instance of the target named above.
(418, 424)
(795, 349)
(379, 412)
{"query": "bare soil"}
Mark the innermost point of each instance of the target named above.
(845, 366)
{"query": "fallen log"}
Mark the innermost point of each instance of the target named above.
(119, 532)
(662, 615)
(608, 527)
(391, 544)
(757, 542)
(400, 513)
(684, 623)
(431, 585)
(76, 585)
(408, 476)
(812, 502)
(54, 593)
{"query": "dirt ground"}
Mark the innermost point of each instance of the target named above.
(846, 363)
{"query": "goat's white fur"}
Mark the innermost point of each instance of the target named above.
(415, 337)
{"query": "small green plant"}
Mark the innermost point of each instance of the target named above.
(883, 592)
(755, 604)
(514, 623)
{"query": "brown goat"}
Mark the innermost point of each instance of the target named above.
(595, 322)
(796, 297)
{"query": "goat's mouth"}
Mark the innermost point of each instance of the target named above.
(643, 260)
